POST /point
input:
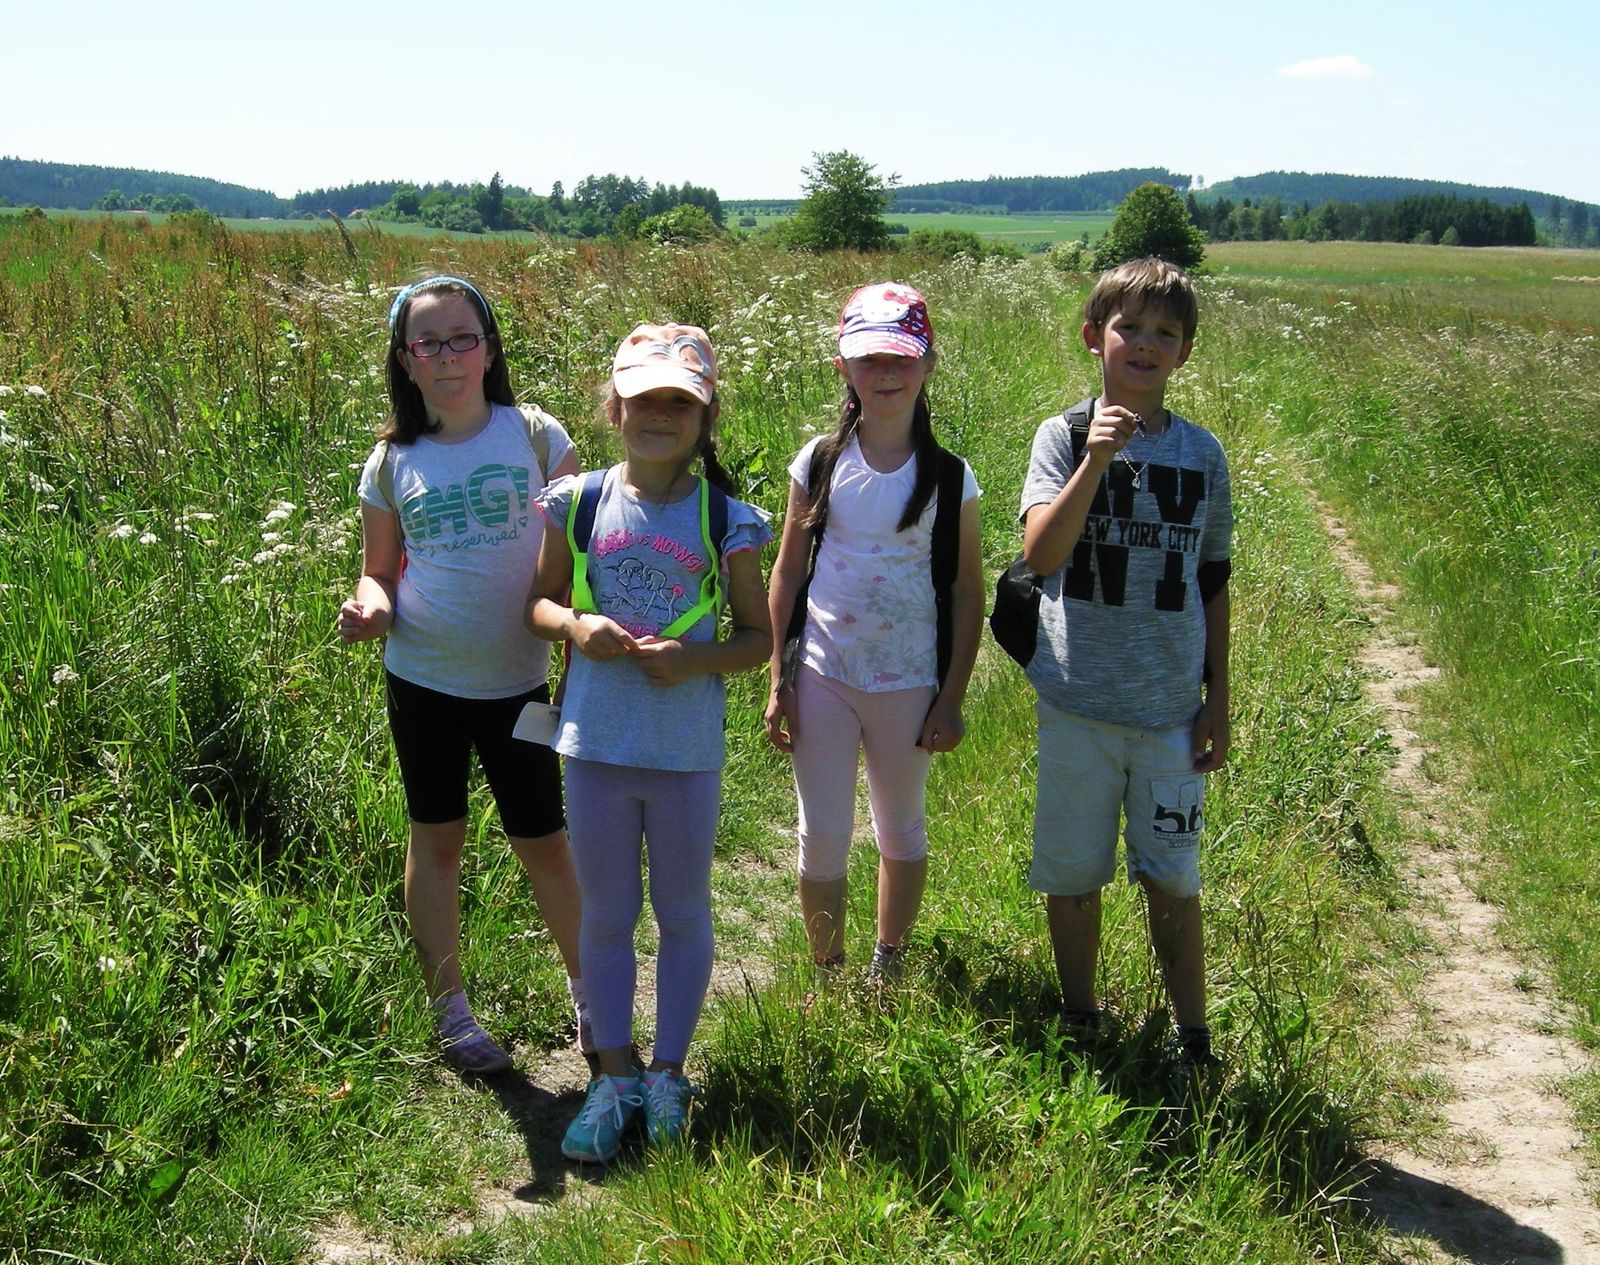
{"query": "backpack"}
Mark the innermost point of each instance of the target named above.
(535, 421)
(713, 527)
(1014, 622)
(944, 555)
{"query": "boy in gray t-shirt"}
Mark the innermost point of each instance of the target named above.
(1130, 523)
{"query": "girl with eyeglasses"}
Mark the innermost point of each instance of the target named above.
(450, 538)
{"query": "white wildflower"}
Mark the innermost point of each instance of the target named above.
(63, 675)
(38, 484)
(149, 538)
(37, 391)
(271, 537)
(121, 531)
(7, 390)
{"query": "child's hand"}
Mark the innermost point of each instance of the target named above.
(664, 662)
(780, 719)
(1210, 736)
(1110, 430)
(600, 638)
(360, 622)
(944, 729)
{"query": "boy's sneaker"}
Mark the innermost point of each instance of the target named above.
(666, 1105)
(1191, 1048)
(596, 1135)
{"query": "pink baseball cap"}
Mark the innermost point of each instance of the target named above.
(656, 356)
(885, 317)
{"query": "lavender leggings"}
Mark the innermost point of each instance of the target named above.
(613, 814)
(834, 723)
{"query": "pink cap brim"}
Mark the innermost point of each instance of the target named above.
(876, 342)
(637, 379)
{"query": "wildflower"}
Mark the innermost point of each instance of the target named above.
(7, 390)
(107, 963)
(149, 538)
(38, 484)
(271, 537)
(36, 391)
(121, 531)
(63, 675)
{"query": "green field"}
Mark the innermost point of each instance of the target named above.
(1021, 231)
(212, 1041)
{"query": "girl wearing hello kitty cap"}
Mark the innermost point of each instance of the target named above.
(879, 584)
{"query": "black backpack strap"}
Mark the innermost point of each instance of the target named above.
(946, 552)
(589, 489)
(1077, 419)
(797, 615)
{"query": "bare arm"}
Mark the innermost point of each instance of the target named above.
(370, 612)
(1213, 729)
(550, 614)
(1052, 528)
(788, 574)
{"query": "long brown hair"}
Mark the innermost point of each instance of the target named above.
(408, 414)
(825, 456)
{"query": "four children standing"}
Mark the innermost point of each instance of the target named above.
(877, 599)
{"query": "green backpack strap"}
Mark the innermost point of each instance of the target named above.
(713, 528)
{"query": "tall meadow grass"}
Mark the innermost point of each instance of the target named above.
(211, 1041)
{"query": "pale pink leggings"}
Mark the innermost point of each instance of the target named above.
(835, 722)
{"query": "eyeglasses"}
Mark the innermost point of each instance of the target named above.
(424, 348)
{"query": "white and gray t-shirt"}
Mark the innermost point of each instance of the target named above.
(1121, 626)
(472, 540)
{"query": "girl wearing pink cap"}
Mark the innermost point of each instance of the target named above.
(648, 549)
(879, 584)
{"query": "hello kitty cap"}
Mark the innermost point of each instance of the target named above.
(886, 317)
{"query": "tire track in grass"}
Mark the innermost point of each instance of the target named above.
(1505, 1182)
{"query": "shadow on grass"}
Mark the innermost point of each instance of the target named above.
(541, 1117)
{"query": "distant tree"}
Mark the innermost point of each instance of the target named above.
(1450, 237)
(110, 200)
(944, 243)
(406, 201)
(490, 202)
(844, 204)
(1151, 221)
(558, 197)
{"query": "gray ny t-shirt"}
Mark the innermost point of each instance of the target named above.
(645, 566)
(1121, 627)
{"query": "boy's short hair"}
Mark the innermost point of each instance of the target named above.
(1142, 283)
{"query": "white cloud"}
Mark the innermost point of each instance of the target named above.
(1344, 66)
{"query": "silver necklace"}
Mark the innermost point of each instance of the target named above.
(1138, 470)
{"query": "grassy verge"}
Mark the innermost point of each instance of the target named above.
(211, 1042)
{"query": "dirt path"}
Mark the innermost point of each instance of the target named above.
(1505, 1182)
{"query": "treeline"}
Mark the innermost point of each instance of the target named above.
(24, 182)
(1431, 219)
(1295, 187)
(1093, 191)
(597, 206)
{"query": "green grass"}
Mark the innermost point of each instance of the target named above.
(212, 1045)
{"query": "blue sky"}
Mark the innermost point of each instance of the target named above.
(295, 95)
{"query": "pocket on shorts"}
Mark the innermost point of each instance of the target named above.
(1176, 817)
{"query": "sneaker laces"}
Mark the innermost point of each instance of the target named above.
(667, 1093)
(606, 1097)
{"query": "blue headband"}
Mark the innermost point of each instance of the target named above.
(428, 283)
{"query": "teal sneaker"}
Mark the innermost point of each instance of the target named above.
(666, 1105)
(595, 1136)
